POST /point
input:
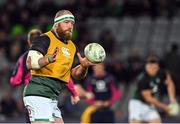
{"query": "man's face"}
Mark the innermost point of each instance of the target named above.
(65, 29)
(152, 68)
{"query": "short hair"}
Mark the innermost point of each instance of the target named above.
(152, 59)
(33, 34)
(62, 12)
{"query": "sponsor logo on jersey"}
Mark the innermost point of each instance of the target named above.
(101, 86)
(65, 52)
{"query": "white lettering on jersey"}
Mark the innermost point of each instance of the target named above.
(154, 87)
(65, 52)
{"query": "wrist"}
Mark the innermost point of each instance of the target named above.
(172, 99)
(83, 67)
(48, 60)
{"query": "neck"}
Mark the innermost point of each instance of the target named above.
(56, 34)
(99, 74)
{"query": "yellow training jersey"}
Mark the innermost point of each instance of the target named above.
(60, 69)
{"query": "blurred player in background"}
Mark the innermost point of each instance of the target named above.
(21, 74)
(102, 85)
(51, 57)
(142, 108)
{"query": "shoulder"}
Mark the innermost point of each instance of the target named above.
(142, 76)
(41, 44)
(21, 58)
(41, 39)
(75, 45)
(163, 73)
(110, 76)
(143, 81)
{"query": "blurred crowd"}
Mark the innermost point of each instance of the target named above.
(19, 17)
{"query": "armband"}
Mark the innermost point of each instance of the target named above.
(35, 56)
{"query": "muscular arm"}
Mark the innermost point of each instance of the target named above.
(170, 88)
(81, 70)
(36, 58)
(152, 100)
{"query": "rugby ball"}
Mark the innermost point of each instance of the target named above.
(174, 109)
(95, 53)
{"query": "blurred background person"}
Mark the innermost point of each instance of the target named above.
(171, 61)
(21, 74)
(103, 86)
(143, 106)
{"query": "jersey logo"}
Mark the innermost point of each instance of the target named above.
(154, 87)
(65, 52)
(100, 86)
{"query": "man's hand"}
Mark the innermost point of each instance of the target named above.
(167, 109)
(51, 58)
(174, 109)
(89, 95)
(75, 100)
(84, 61)
(98, 104)
(106, 103)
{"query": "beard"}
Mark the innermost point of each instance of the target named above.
(68, 34)
(65, 35)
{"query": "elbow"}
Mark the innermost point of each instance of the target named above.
(76, 75)
(33, 58)
(14, 82)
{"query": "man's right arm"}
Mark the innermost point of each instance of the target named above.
(36, 58)
(147, 95)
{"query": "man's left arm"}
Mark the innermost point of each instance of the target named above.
(80, 71)
(170, 88)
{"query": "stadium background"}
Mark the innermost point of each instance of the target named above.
(129, 30)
